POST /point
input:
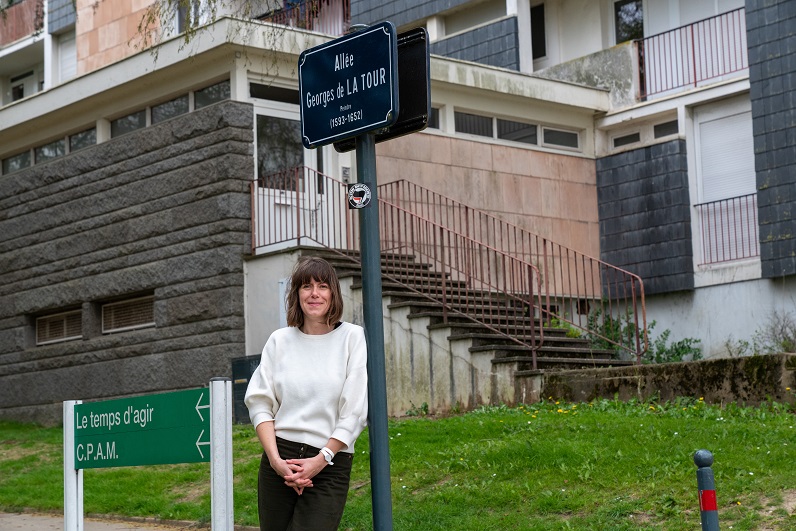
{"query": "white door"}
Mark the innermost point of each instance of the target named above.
(727, 205)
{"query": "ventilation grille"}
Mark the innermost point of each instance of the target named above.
(128, 315)
(59, 327)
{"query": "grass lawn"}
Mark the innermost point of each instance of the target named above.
(604, 465)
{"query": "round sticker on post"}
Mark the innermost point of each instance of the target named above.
(358, 195)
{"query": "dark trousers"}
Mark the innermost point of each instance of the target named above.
(319, 508)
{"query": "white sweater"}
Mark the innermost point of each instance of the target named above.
(313, 387)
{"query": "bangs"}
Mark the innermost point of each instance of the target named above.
(314, 270)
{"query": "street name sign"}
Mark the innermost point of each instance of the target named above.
(414, 89)
(349, 86)
(163, 428)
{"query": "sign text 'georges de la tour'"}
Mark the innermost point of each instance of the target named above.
(349, 86)
(164, 428)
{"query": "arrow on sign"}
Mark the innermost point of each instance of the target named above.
(198, 407)
(199, 444)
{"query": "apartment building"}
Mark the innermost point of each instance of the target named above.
(152, 204)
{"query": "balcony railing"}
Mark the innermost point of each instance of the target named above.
(330, 17)
(729, 229)
(490, 266)
(694, 54)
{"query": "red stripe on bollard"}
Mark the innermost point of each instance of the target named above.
(707, 500)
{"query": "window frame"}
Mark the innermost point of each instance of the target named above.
(54, 316)
(147, 324)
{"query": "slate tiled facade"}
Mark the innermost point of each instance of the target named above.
(772, 56)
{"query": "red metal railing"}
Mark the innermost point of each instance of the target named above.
(729, 229)
(482, 268)
(576, 288)
(692, 54)
(330, 17)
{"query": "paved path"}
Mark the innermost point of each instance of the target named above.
(51, 522)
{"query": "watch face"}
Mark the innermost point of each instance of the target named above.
(358, 195)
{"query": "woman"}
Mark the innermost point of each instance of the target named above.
(308, 403)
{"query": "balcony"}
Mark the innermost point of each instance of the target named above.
(693, 55)
(729, 229)
(330, 17)
(20, 20)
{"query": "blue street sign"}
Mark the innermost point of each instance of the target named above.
(349, 86)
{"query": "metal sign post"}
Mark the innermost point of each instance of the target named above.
(181, 427)
(350, 97)
(374, 333)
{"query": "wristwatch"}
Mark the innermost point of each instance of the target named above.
(327, 454)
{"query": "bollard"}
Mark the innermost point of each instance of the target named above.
(708, 507)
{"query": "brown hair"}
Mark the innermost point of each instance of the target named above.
(317, 269)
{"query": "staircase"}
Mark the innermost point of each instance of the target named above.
(471, 302)
(412, 291)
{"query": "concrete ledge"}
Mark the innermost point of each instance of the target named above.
(750, 380)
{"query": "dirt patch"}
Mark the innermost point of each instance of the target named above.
(13, 450)
(789, 501)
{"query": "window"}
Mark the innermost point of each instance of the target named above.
(211, 94)
(128, 315)
(170, 109)
(538, 36)
(516, 131)
(279, 152)
(58, 327)
(128, 124)
(624, 140)
(665, 129)
(49, 151)
(433, 118)
(559, 138)
(270, 92)
(473, 124)
(16, 163)
(83, 139)
(188, 14)
(67, 56)
(628, 20)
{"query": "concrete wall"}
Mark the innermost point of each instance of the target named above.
(772, 78)
(549, 194)
(750, 381)
(715, 316)
(613, 69)
(645, 218)
(162, 211)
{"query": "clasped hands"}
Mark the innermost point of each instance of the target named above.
(298, 473)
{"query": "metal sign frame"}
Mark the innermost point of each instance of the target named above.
(349, 86)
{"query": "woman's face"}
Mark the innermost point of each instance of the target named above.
(315, 299)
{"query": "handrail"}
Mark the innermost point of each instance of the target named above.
(489, 269)
(694, 53)
(584, 292)
(330, 17)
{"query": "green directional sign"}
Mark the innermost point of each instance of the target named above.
(156, 429)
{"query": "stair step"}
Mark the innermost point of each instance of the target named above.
(525, 363)
(510, 351)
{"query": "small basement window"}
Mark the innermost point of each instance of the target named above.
(128, 315)
(473, 124)
(624, 140)
(559, 138)
(665, 129)
(59, 327)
